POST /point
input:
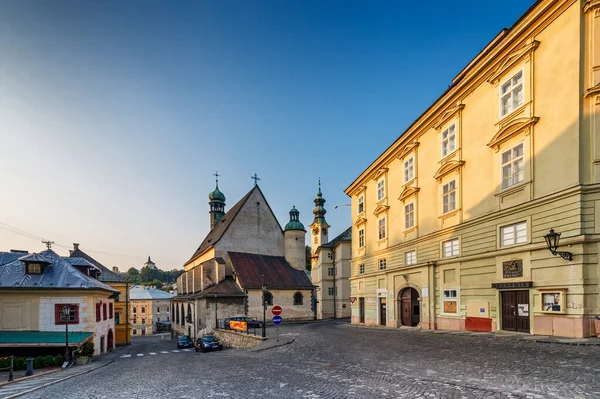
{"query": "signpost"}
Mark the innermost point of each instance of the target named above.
(276, 310)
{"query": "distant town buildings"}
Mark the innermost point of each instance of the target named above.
(150, 265)
(150, 310)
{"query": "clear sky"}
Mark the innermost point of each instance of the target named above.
(114, 115)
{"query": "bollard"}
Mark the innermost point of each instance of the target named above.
(29, 366)
(11, 377)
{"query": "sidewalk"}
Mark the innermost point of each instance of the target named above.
(496, 335)
(271, 343)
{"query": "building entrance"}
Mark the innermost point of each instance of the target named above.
(382, 312)
(361, 310)
(410, 312)
(515, 311)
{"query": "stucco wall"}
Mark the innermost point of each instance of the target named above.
(285, 299)
(19, 311)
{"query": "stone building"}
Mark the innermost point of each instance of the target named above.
(330, 265)
(451, 219)
(150, 310)
(245, 248)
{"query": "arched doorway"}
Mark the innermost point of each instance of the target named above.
(410, 308)
(110, 342)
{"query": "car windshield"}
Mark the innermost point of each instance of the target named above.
(184, 338)
(208, 340)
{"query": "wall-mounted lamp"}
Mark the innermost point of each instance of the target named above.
(552, 239)
(337, 206)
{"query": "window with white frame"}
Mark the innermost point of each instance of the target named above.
(449, 140)
(330, 271)
(361, 238)
(381, 189)
(361, 204)
(361, 269)
(449, 196)
(330, 291)
(450, 248)
(511, 94)
(410, 258)
(382, 264)
(409, 169)
(513, 234)
(409, 215)
(513, 166)
(381, 228)
(450, 300)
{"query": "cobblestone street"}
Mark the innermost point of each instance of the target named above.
(334, 360)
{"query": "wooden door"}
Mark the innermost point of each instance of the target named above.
(405, 316)
(509, 311)
(382, 312)
(522, 308)
(361, 310)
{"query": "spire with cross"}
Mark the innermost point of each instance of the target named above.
(217, 175)
(256, 179)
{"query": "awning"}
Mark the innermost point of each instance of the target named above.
(167, 322)
(42, 338)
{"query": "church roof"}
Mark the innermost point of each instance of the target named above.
(223, 224)
(253, 269)
(346, 235)
(225, 288)
(107, 276)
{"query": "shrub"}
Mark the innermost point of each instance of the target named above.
(38, 362)
(48, 361)
(19, 363)
(59, 360)
(4, 363)
(88, 349)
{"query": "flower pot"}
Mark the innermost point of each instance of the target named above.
(82, 360)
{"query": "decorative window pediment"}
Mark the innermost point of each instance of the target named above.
(379, 173)
(407, 192)
(449, 113)
(380, 209)
(408, 149)
(511, 59)
(447, 167)
(360, 220)
(511, 129)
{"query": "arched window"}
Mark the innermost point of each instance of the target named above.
(268, 298)
(189, 313)
(298, 298)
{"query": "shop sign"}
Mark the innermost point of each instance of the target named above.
(518, 284)
(381, 292)
(512, 268)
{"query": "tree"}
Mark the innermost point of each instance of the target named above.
(308, 256)
(156, 283)
(132, 275)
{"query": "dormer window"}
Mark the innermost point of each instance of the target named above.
(34, 268)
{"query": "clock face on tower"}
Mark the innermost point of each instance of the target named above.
(316, 231)
(324, 231)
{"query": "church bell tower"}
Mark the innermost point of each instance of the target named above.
(217, 204)
(319, 227)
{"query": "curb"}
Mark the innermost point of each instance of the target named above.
(488, 335)
(28, 377)
(270, 347)
(57, 381)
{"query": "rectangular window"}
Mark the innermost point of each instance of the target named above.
(449, 196)
(61, 318)
(409, 169)
(143, 321)
(143, 309)
(410, 258)
(409, 215)
(450, 299)
(34, 268)
(117, 318)
(110, 310)
(98, 312)
(513, 234)
(361, 204)
(381, 189)
(104, 312)
(330, 291)
(135, 309)
(382, 264)
(449, 140)
(361, 238)
(361, 269)
(511, 94)
(450, 248)
(381, 230)
(330, 255)
(513, 166)
(158, 309)
(330, 271)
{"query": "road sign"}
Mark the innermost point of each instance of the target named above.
(276, 310)
(352, 299)
(276, 320)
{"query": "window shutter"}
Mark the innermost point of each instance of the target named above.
(104, 311)
(57, 310)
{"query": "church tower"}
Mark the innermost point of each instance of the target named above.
(319, 227)
(294, 241)
(217, 204)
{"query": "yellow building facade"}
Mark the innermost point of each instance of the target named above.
(449, 222)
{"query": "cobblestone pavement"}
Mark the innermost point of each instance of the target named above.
(329, 360)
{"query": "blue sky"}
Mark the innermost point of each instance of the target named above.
(114, 115)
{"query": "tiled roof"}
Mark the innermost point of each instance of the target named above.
(107, 275)
(42, 338)
(80, 262)
(251, 269)
(59, 274)
(139, 292)
(225, 288)
(8, 257)
(346, 235)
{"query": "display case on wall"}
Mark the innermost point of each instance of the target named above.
(553, 300)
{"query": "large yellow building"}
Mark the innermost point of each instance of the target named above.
(449, 222)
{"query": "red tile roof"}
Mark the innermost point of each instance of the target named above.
(253, 269)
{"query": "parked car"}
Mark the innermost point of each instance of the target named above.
(208, 343)
(183, 341)
(251, 322)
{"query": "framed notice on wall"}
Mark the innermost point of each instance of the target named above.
(449, 306)
(553, 300)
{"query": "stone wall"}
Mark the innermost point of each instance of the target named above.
(232, 339)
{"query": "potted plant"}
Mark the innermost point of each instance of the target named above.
(85, 353)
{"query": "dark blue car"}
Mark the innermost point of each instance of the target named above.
(183, 341)
(209, 343)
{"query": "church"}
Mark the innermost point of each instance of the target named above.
(244, 258)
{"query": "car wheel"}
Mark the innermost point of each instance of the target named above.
(196, 349)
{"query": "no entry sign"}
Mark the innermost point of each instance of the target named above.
(276, 320)
(276, 310)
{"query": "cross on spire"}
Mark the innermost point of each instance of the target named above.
(217, 176)
(255, 178)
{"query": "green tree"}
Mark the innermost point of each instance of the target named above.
(156, 283)
(132, 275)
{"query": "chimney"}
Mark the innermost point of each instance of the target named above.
(75, 246)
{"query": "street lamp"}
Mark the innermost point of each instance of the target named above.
(552, 239)
(263, 288)
(66, 310)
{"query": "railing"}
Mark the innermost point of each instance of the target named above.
(10, 368)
